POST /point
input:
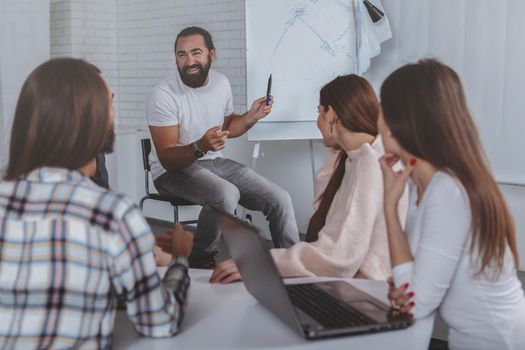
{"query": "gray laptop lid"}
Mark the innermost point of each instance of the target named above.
(263, 281)
(257, 268)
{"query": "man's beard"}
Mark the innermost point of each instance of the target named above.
(198, 79)
(109, 144)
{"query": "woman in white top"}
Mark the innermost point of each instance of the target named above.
(458, 253)
(347, 234)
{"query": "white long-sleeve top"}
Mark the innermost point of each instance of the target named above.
(354, 237)
(482, 313)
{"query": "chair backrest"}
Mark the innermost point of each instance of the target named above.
(146, 149)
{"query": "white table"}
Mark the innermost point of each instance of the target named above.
(228, 317)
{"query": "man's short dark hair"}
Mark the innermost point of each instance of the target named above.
(189, 31)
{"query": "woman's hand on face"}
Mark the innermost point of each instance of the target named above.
(394, 181)
(225, 272)
(400, 298)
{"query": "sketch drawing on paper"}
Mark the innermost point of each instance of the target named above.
(303, 44)
(299, 15)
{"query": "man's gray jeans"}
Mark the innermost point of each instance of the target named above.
(222, 184)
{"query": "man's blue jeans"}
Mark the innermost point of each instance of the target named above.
(222, 184)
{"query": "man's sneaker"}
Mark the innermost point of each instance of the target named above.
(206, 261)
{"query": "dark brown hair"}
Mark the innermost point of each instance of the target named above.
(426, 110)
(189, 31)
(61, 118)
(354, 101)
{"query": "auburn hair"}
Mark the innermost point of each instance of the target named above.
(424, 106)
(354, 101)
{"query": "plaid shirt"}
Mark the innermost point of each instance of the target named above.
(68, 251)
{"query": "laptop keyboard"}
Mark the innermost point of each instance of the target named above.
(324, 308)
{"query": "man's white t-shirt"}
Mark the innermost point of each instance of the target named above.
(194, 110)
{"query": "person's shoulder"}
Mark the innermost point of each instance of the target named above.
(367, 156)
(112, 206)
(163, 96)
(119, 218)
(218, 77)
(120, 203)
(167, 86)
(7, 190)
(170, 79)
(445, 181)
(363, 172)
(446, 188)
(7, 187)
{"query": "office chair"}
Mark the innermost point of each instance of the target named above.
(176, 202)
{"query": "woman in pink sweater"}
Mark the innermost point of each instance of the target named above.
(347, 234)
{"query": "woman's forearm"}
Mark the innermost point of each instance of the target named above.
(399, 249)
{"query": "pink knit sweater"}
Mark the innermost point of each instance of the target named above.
(354, 237)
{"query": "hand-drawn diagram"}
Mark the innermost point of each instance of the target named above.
(304, 44)
(299, 13)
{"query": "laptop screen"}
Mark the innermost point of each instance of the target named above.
(257, 267)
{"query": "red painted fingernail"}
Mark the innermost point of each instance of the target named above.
(411, 294)
(411, 315)
(413, 161)
(406, 285)
(390, 280)
(412, 304)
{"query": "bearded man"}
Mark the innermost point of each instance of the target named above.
(190, 116)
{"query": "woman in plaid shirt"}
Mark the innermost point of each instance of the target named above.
(68, 248)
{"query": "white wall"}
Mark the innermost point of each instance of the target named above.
(481, 42)
(87, 29)
(24, 43)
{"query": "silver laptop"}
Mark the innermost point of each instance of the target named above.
(314, 310)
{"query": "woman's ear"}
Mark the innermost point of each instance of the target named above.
(332, 115)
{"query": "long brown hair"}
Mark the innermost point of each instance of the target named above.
(426, 110)
(354, 101)
(61, 118)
